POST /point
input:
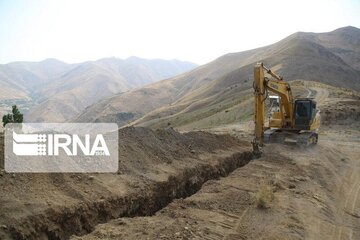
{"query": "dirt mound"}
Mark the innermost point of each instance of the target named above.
(143, 148)
(341, 113)
(155, 167)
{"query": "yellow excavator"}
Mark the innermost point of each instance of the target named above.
(295, 120)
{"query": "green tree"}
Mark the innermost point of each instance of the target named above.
(15, 117)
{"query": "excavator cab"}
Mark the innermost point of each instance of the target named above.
(304, 112)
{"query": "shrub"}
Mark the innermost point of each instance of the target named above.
(264, 196)
(15, 117)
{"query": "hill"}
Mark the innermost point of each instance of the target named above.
(55, 91)
(223, 85)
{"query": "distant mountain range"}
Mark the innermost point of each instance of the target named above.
(332, 58)
(54, 91)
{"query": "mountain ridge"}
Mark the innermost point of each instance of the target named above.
(306, 56)
(34, 85)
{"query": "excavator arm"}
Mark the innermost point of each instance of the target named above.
(262, 85)
(259, 116)
(283, 90)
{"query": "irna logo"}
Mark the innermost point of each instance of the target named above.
(52, 144)
(61, 147)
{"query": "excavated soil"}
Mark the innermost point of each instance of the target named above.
(342, 112)
(156, 167)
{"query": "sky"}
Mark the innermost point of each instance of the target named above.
(192, 30)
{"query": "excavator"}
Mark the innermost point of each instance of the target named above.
(295, 120)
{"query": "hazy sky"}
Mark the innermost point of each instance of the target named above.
(193, 30)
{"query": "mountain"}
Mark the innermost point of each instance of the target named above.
(332, 58)
(18, 79)
(54, 91)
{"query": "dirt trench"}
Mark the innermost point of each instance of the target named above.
(140, 199)
(81, 219)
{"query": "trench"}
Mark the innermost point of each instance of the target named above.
(82, 218)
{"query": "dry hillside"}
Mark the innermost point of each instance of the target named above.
(54, 91)
(331, 58)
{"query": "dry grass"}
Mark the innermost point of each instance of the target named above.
(277, 182)
(264, 196)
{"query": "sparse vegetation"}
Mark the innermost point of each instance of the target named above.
(276, 182)
(264, 196)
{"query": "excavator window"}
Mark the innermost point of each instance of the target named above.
(302, 109)
(303, 112)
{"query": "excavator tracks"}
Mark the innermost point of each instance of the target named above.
(304, 139)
